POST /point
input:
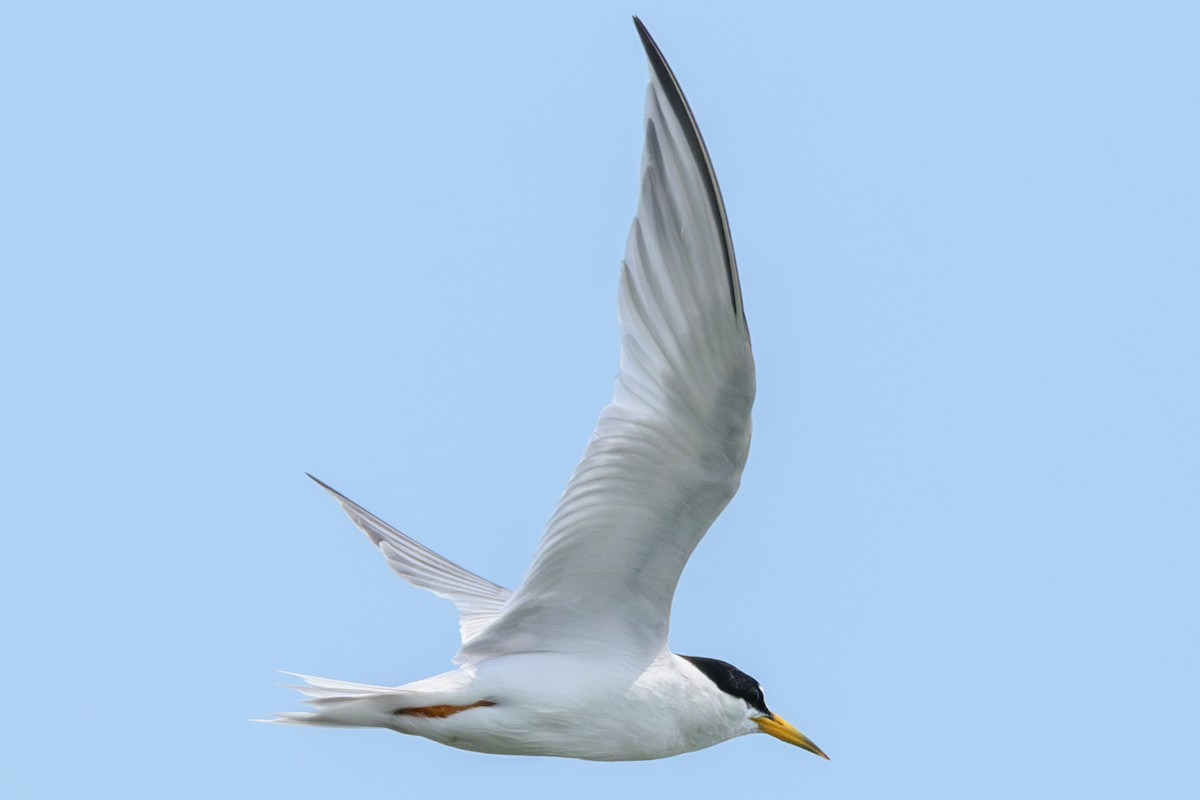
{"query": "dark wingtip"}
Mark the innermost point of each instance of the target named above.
(652, 52)
(670, 85)
(641, 29)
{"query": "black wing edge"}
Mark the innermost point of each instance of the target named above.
(679, 104)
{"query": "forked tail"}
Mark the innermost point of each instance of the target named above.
(343, 704)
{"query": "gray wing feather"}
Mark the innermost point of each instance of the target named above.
(668, 451)
(479, 601)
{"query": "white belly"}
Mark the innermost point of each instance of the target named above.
(556, 705)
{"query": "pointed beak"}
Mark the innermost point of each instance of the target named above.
(781, 729)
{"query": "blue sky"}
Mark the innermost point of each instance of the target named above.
(379, 242)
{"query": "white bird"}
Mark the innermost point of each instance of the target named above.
(575, 662)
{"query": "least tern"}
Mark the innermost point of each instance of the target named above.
(574, 662)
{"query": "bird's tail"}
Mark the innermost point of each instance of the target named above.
(342, 703)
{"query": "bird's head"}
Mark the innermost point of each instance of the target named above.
(732, 681)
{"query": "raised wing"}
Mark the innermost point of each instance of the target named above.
(478, 601)
(668, 451)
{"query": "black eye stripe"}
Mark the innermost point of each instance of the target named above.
(732, 681)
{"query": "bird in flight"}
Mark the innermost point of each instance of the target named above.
(574, 662)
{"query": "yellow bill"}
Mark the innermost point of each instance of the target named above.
(781, 729)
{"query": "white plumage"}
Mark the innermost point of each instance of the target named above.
(574, 662)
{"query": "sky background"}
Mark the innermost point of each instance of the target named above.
(380, 242)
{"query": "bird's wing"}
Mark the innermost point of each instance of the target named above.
(668, 451)
(478, 601)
